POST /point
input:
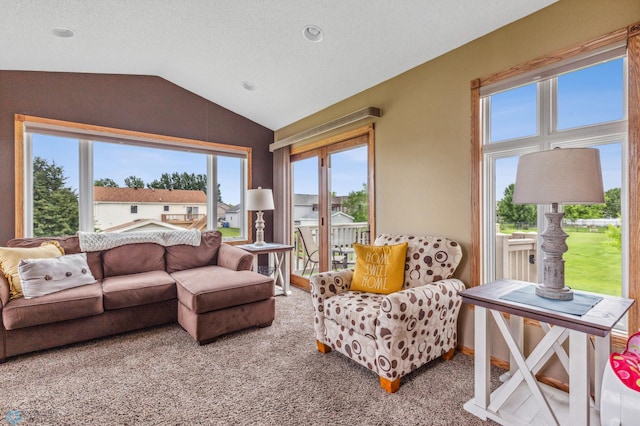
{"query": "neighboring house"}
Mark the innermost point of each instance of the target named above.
(232, 217)
(143, 225)
(305, 204)
(311, 219)
(116, 206)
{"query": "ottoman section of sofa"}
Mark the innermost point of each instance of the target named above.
(64, 305)
(210, 288)
(125, 291)
(214, 300)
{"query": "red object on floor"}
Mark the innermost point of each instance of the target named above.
(626, 365)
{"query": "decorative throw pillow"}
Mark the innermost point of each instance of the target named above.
(10, 258)
(46, 276)
(379, 269)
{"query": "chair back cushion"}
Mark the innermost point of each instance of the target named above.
(429, 258)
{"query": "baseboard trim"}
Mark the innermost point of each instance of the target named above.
(504, 365)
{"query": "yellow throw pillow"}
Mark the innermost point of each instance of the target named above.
(379, 269)
(10, 258)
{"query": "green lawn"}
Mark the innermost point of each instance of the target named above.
(592, 263)
(229, 232)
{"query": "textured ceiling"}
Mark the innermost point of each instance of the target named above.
(211, 46)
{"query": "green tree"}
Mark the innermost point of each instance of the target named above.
(189, 181)
(614, 234)
(55, 205)
(583, 211)
(134, 182)
(357, 204)
(106, 182)
(612, 203)
(515, 213)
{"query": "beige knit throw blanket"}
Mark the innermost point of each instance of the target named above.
(97, 241)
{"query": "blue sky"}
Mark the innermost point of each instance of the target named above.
(117, 161)
(589, 96)
(348, 172)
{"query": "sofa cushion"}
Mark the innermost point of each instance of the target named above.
(40, 277)
(70, 245)
(10, 258)
(61, 306)
(215, 287)
(124, 291)
(133, 259)
(181, 257)
(354, 310)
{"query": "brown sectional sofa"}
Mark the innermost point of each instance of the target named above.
(209, 289)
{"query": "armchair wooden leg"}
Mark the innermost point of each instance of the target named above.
(322, 347)
(390, 386)
(449, 355)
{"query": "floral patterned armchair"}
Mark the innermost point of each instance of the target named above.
(397, 333)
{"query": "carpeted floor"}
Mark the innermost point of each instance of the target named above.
(270, 376)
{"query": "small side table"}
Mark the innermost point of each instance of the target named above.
(522, 399)
(278, 260)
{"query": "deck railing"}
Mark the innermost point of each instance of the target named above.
(343, 236)
(182, 218)
(515, 253)
(516, 256)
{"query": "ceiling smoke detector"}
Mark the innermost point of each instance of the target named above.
(312, 33)
(62, 32)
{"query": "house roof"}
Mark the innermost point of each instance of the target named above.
(139, 224)
(103, 194)
(314, 215)
(249, 57)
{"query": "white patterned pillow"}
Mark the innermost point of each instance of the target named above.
(45, 276)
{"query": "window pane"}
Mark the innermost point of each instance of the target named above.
(516, 235)
(594, 259)
(306, 257)
(513, 113)
(230, 189)
(55, 185)
(149, 179)
(349, 204)
(591, 95)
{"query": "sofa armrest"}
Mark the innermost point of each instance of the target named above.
(421, 322)
(234, 258)
(323, 286)
(4, 291)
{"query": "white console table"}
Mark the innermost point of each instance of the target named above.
(278, 259)
(522, 399)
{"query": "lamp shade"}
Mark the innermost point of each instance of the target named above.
(563, 176)
(259, 199)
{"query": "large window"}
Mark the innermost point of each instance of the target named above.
(76, 177)
(581, 98)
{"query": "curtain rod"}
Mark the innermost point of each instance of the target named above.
(328, 126)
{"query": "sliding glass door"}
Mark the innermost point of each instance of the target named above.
(331, 206)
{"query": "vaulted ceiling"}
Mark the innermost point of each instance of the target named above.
(249, 56)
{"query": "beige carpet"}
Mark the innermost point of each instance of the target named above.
(270, 376)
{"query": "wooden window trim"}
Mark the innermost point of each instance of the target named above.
(632, 35)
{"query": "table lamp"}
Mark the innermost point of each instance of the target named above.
(558, 176)
(258, 200)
